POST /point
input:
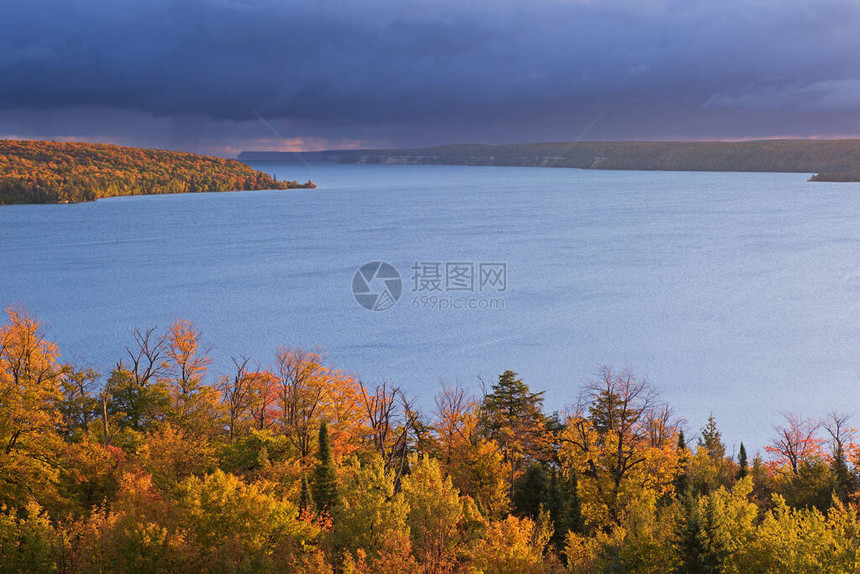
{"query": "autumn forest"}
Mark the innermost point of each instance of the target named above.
(58, 172)
(292, 465)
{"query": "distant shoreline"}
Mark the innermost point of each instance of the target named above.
(829, 160)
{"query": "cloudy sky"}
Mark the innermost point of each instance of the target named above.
(219, 76)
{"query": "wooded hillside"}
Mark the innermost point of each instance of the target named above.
(286, 463)
(832, 160)
(56, 172)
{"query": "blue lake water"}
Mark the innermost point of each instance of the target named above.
(737, 294)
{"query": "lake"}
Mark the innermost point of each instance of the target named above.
(735, 294)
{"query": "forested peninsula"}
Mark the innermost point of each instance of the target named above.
(58, 172)
(830, 160)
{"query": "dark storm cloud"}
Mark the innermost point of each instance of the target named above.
(484, 67)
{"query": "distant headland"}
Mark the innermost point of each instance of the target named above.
(829, 160)
(57, 172)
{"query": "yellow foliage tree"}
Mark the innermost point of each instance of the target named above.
(195, 406)
(621, 450)
(29, 393)
(371, 518)
(435, 512)
(513, 546)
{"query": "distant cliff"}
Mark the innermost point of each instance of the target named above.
(832, 160)
(56, 172)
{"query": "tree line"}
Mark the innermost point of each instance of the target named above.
(57, 172)
(159, 465)
(830, 160)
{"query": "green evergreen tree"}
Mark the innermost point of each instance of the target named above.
(812, 486)
(687, 536)
(570, 491)
(531, 492)
(762, 482)
(325, 474)
(511, 405)
(564, 509)
(712, 440)
(511, 416)
(536, 492)
(743, 465)
(306, 500)
(846, 481)
(680, 482)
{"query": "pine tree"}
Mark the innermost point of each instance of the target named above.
(575, 519)
(682, 442)
(845, 480)
(325, 474)
(511, 404)
(564, 508)
(511, 416)
(306, 500)
(688, 544)
(712, 440)
(743, 465)
(531, 491)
